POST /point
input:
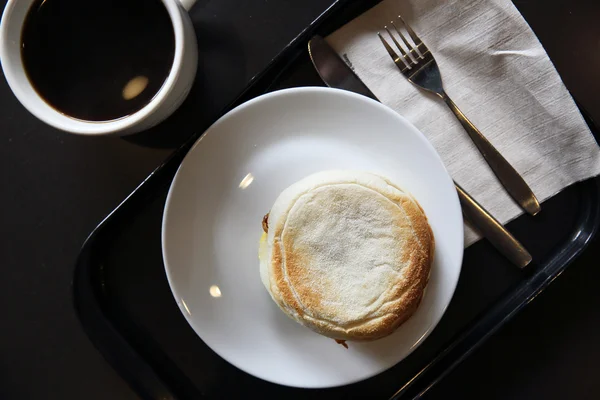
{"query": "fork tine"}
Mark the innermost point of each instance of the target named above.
(391, 51)
(405, 57)
(406, 42)
(414, 54)
(411, 33)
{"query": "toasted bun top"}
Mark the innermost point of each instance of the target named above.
(347, 254)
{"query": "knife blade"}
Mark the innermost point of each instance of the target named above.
(333, 70)
(337, 74)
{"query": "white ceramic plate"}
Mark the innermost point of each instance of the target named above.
(230, 179)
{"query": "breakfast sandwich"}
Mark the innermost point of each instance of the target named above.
(346, 254)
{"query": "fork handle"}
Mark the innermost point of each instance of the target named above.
(493, 230)
(514, 184)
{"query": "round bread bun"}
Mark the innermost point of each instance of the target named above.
(346, 254)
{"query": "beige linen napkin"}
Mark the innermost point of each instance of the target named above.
(497, 72)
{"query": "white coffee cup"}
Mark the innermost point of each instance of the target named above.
(170, 96)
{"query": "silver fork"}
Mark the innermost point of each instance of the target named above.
(418, 65)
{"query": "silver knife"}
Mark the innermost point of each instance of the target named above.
(337, 74)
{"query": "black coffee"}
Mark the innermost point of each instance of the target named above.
(97, 60)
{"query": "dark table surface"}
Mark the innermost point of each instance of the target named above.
(56, 187)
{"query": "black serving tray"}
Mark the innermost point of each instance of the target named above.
(126, 307)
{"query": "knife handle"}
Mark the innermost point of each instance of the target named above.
(493, 230)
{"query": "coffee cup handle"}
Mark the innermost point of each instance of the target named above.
(187, 4)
